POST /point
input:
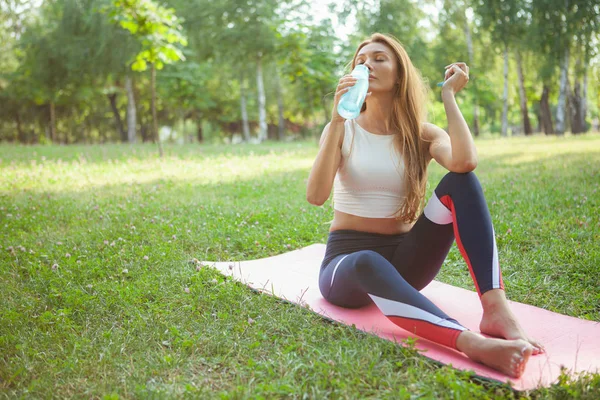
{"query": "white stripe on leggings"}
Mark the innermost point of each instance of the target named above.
(437, 212)
(335, 269)
(395, 308)
(495, 265)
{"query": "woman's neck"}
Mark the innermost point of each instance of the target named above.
(377, 118)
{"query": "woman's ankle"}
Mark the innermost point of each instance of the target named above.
(467, 340)
(492, 299)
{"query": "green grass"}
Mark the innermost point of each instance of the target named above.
(99, 299)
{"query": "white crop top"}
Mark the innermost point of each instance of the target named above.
(370, 179)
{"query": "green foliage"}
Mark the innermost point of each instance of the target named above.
(312, 70)
(157, 29)
(506, 19)
(73, 54)
(399, 18)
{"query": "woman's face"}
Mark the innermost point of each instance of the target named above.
(380, 61)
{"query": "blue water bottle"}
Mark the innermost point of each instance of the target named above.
(352, 101)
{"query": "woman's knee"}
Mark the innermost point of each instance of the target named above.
(462, 180)
(368, 262)
(340, 282)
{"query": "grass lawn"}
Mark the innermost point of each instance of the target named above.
(100, 300)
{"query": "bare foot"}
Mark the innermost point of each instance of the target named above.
(507, 356)
(499, 321)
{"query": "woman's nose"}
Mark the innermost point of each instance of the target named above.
(368, 65)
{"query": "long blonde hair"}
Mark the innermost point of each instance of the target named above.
(409, 112)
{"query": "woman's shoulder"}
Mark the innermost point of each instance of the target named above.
(342, 137)
(430, 131)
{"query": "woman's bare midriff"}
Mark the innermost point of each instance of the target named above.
(387, 226)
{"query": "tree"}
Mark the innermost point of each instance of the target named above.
(566, 28)
(65, 68)
(399, 18)
(454, 42)
(506, 20)
(312, 70)
(159, 32)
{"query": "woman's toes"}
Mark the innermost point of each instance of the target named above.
(518, 366)
(537, 347)
(522, 358)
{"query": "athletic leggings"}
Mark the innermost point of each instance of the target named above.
(389, 270)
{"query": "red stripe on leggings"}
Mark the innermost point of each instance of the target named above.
(438, 334)
(447, 201)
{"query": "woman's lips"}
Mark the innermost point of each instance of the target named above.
(372, 77)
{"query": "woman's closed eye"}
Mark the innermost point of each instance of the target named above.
(378, 60)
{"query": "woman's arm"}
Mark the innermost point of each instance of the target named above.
(454, 150)
(320, 180)
(464, 152)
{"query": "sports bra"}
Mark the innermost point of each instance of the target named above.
(370, 179)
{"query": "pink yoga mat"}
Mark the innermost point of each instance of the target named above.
(569, 342)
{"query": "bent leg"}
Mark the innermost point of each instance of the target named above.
(456, 209)
(419, 257)
(458, 205)
(356, 279)
(462, 196)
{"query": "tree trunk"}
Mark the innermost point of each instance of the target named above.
(245, 126)
(505, 94)
(523, 95)
(546, 115)
(561, 110)
(262, 110)
(131, 110)
(144, 132)
(154, 117)
(87, 130)
(199, 134)
(112, 98)
(52, 123)
(584, 106)
(183, 122)
(467, 30)
(20, 135)
(576, 110)
(71, 130)
(281, 133)
(574, 101)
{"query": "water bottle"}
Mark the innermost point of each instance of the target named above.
(352, 101)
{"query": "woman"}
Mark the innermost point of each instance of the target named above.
(379, 248)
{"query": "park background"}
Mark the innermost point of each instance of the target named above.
(101, 226)
(83, 71)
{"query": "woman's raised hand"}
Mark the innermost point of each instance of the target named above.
(456, 77)
(344, 84)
